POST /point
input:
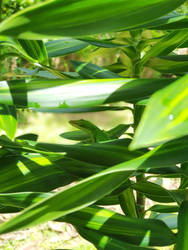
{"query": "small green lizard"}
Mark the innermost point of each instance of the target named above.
(97, 135)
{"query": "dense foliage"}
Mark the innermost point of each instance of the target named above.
(146, 75)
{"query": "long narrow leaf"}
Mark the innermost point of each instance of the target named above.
(84, 17)
(77, 93)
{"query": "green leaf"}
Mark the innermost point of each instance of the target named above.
(22, 199)
(171, 21)
(30, 137)
(92, 71)
(80, 110)
(182, 241)
(105, 43)
(8, 120)
(164, 209)
(153, 191)
(54, 18)
(64, 46)
(131, 230)
(127, 203)
(108, 200)
(77, 93)
(168, 64)
(33, 51)
(97, 186)
(106, 153)
(171, 119)
(79, 196)
(102, 241)
(77, 135)
(184, 45)
(32, 173)
(170, 42)
(169, 219)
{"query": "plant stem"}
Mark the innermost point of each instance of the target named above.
(137, 114)
(140, 199)
(138, 111)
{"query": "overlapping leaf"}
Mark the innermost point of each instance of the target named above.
(170, 105)
(67, 19)
(92, 71)
(33, 51)
(77, 93)
(97, 186)
(169, 64)
(64, 46)
(169, 42)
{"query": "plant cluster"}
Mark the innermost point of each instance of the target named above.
(104, 168)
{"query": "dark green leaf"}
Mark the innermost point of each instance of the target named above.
(64, 46)
(128, 229)
(164, 209)
(127, 203)
(102, 241)
(182, 241)
(92, 71)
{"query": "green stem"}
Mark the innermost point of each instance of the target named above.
(138, 111)
(140, 199)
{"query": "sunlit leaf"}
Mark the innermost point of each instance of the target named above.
(170, 105)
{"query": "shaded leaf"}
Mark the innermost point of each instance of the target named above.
(170, 42)
(105, 242)
(182, 241)
(92, 71)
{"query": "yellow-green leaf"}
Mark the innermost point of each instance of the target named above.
(165, 117)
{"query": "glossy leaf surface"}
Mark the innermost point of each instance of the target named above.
(170, 104)
(64, 46)
(70, 18)
(77, 93)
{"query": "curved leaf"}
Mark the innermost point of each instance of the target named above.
(64, 46)
(84, 17)
(77, 93)
(170, 105)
